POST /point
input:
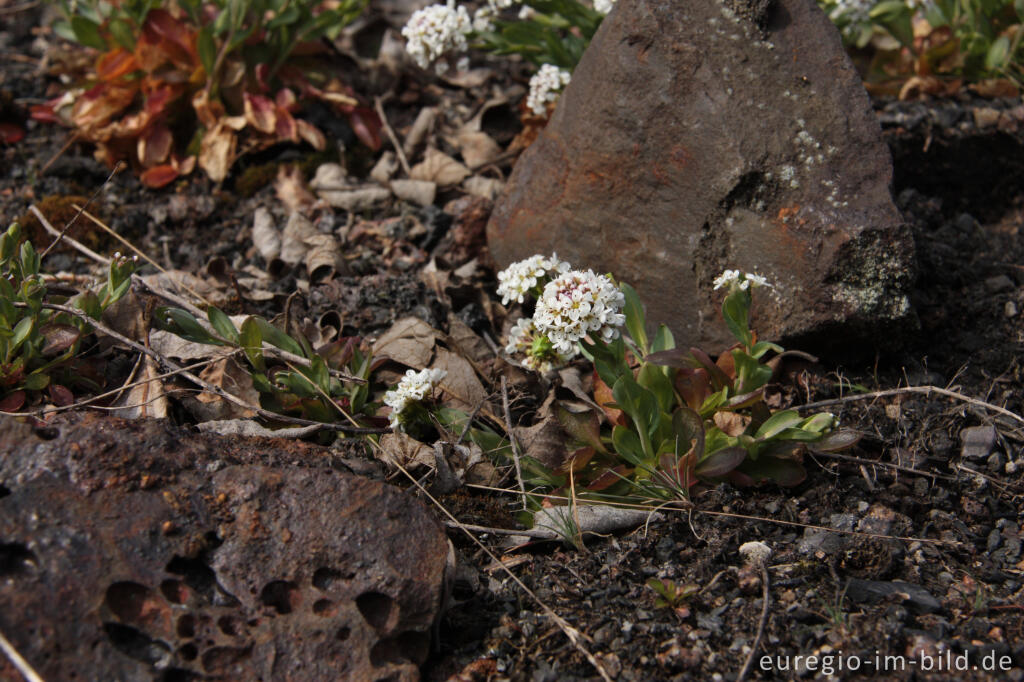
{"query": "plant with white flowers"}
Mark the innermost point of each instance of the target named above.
(406, 399)
(674, 417)
(528, 277)
(545, 87)
(435, 32)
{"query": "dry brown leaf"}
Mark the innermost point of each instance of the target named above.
(290, 188)
(466, 341)
(323, 258)
(355, 200)
(385, 167)
(330, 176)
(440, 168)
(217, 150)
(226, 373)
(592, 518)
(265, 236)
(146, 400)
(477, 148)
(293, 240)
(409, 342)
(488, 188)
(731, 423)
(462, 388)
(420, 192)
(401, 449)
(418, 131)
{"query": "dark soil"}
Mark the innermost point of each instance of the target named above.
(929, 558)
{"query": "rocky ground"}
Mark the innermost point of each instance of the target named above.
(921, 568)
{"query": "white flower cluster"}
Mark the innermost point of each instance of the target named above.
(576, 304)
(435, 31)
(414, 387)
(539, 355)
(545, 86)
(515, 281)
(604, 6)
(744, 282)
(853, 11)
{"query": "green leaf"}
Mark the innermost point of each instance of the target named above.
(836, 441)
(89, 304)
(276, 337)
(688, 429)
(762, 347)
(997, 53)
(37, 382)
(721, 462)
(777, 423)
(627, 445)
(21, 332)
(319, 374)
(222, 325)
(122, 32)
(654, 380)
(635, 318)
(1018, 6)
(663, 340)
(640, 404)
(207, 48)
(87, 33)
(819, 423)
(261, 383)
(251, 341)
(750, 374)
(736, 311)
(183, 324)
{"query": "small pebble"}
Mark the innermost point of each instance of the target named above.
(978, 441)
(1010, 309)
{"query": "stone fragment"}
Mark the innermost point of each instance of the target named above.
(977, 441)
(999, 284)
(710, 135)
(140, 551)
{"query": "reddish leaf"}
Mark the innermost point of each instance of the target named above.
(59, 337)
(603, 397)
(154, 146)
(159, 176)
(694, 385)
(46, 112)
(311, 134)
(61, 395)
(721, 462)
(610, 477)
(97, 106)
(115, 64)
(286, 99)
(260, 113)
(12, 402)
(366, 125)
(577, 461)
(11, 133)
(285, 127)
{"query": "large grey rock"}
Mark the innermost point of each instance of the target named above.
(139, 551)
(704, 135)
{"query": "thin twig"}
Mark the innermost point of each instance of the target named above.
(885, 465)
(391, 136)
(81, 210)
(527, 532)
(512, 440)
(17, 661)
(743, 517)
(926, 390)
(765, 598)
(141, 254)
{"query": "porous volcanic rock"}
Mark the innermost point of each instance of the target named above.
(716, 134)
(141, 551)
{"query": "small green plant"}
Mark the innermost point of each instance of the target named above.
(39, 346)
(671, 595)
(310, 388)
(972, 39)
(180, 84)
(673, 417)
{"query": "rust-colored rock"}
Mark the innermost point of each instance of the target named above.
(140, 551)
(716, 134)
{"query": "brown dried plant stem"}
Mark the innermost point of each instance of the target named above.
(379, 106)
(217, 390)
(925, 390)
(512, 440)
(60, 235)
(765, 601)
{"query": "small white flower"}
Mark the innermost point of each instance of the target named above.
(604, 6)
(755, 553)
(744, 282)
(545, 87)
(576, 304)
(539, 354)
(516, 281)
(483, 19)
(526, 13)
(435, 31)
(413, 388)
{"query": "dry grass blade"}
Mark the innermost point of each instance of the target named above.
(81, 210)
(17, 661)
(512, 439)
(925, 390)
(379, 106)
